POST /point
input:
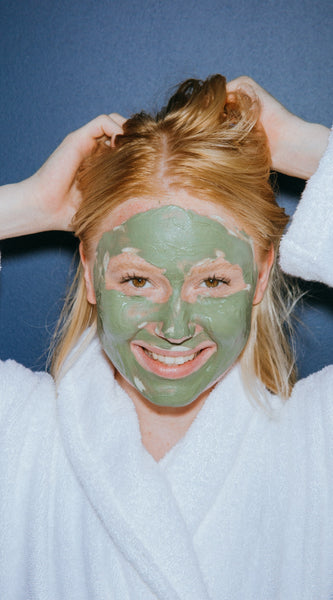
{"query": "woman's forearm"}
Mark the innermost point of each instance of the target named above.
(19, 210)
(303, 145)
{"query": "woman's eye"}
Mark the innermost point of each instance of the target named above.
(214, 282)
(138, 282)
(211, 282)
(135, 281)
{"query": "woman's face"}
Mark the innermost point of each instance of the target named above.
(174, 286)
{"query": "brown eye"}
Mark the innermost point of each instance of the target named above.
(212, 282)
(138, 281)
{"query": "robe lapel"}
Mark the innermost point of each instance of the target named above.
(127, 488)
(200, 465)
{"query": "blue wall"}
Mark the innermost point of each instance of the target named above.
(65, 61)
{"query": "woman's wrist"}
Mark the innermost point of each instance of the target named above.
(20, 210)
(302, 148)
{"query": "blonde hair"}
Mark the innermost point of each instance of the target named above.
(209, 143)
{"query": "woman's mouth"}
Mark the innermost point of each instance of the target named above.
(172, 364)
(171, 360)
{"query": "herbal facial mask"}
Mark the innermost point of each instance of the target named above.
(174, 293)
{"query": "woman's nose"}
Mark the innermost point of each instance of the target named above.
(175, 324)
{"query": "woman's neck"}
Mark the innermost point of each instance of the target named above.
(161, 426)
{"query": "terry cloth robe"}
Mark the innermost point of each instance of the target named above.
(241, 508)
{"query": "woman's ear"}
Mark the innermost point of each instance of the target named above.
(88, 277)
(263, 275)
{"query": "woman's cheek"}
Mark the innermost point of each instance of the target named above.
(225, 318)
(122, 316)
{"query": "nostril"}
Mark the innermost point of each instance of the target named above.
(169, 335)
(178, 340)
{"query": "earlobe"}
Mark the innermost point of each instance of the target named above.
(263, 276)
(87, 276)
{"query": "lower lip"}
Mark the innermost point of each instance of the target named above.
(171, 371)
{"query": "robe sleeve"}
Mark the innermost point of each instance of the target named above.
(306, 250)
(19, 387)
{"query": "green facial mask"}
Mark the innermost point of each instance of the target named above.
(174, 293)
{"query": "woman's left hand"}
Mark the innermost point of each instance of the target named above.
(296, 146)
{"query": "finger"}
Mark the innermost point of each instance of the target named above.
(108, 126)
(244, 83)
(118, 119)
(84, 139)
(103, 125)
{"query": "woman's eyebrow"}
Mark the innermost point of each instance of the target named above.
(211, 264)
(129, 261)
(124, 258)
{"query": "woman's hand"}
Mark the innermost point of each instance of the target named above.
(296, 145)
(48, 200)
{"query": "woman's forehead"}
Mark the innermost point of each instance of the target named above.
(170, 234)
(123, 212)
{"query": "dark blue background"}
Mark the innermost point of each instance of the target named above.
(63, 62)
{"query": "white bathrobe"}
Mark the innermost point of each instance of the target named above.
(240, 509)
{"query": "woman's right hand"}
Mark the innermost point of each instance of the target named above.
(49, 199)
(296, 146)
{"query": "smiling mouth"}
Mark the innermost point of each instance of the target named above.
(171, 360)
(172, 364)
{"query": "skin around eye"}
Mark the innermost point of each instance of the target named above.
(225, 281)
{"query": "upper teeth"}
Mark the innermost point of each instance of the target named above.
(171, 360)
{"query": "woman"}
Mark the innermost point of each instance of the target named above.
(146, 472)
